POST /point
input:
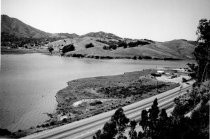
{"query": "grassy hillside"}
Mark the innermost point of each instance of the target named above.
(175, 49)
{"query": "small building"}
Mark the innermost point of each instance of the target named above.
(160, 71)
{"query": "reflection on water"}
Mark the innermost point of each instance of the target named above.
(29, 82)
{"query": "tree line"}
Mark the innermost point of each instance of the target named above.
(15, 42)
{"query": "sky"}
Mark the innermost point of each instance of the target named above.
(159, 20)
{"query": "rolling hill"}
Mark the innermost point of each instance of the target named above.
(175, 49)
(105, 44)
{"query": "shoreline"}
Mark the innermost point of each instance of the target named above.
(124, 87)
(5, 51)
(21, 51)
(91, 97)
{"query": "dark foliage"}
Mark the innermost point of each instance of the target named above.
(132, 90)
(136, 43)
(89, 45)
(122, 44)
(4, 132)
(120, 119)
(78, 55)
(184, 80)
(157, 125)
(144, 120)
(50, 49)
(15, 42)
(146, 57)
(168, 58)
(68, 48)
(135, 57)
(115, 126)
(113, 47)
(202, 51)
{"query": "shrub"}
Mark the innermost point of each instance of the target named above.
(4, 132)
(106, 47)
(52, 123)
(134, 57)
(68, 48)
(64, 120)
(122, 44)
(146, 57)
(184, 80)
(89, 45)
(139, 57)
(50, 49)
(78, 55)
(136, 43)
(113, 46)
(95, 103)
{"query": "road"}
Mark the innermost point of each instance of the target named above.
(86, 128)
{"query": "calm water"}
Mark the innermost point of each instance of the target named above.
(29, 82)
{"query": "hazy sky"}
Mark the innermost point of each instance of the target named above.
(159, 20)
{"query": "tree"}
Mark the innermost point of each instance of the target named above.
(163, 124)
(154, 111)
(140, 135)
(109, 130)
(132, 132)
(163, 115)
(153, 117)
(89, 45)
(121, 120)
(50, 49)
(122, 44)
(68, 48)
(97, 135)
(113, 46)
(121, 136)
(4, 132)
(202, 51)
(144, 120)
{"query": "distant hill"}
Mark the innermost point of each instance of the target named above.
(105, 44)
(65, 35)
(16, 28)
(102, 35)
(13, 26)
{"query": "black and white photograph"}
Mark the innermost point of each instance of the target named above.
(105, 69)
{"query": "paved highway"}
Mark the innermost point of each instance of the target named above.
(86, 128)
